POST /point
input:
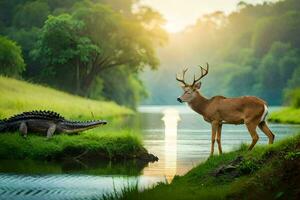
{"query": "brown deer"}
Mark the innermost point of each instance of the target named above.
(218, 110)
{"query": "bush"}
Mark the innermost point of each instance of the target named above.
(11, 60)
(292, 97)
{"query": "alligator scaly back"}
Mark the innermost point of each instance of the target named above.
(36, 114)
(45, 122)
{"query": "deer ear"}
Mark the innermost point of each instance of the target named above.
(197, 85)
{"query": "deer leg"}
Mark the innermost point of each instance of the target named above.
(252, 130)
(219, 130)
(265, 129)
(50, 131)
(23, 129)
(213, 136)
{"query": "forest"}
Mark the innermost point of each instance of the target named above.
(252, 51)
(92, 48)
(107, 50)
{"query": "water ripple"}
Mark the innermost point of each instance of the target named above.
(58, 187)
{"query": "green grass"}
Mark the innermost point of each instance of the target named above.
(287, 115)
(104, 143)
(267, 172)
(17, 96)
(110, 141)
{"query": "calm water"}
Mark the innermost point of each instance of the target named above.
(179, 137)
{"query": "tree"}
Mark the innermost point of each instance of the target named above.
(281, 28)
(294, 82)
(11, 60)
(32, 13)
(292, 97)
(122, 41)
(276, 68)
(64, 51)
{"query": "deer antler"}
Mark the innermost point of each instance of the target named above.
(182, 80)
(202, 74)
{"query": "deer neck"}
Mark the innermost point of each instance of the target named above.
(199, 104)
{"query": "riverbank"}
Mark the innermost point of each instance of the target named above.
(90, 145)
(268, 172)
(287, 115)
(109, 142)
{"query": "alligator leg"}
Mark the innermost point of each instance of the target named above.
(23, 129)
(50, 131)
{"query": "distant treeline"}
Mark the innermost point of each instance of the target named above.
(252, 51)
(93, 48)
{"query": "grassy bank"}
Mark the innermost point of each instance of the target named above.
(287, 115)
(109, 142)
(96, 143)
(267, 172)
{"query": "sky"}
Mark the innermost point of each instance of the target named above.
(182, 13)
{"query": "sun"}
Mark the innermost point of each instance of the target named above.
(173, 26)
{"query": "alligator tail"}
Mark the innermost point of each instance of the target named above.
(78, 126)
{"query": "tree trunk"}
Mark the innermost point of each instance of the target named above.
(88, 79)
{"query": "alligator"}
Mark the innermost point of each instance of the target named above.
(45, 122)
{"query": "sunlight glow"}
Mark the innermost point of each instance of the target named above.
(182, 13)
(171, 118)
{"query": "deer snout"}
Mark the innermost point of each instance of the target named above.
(178, 99)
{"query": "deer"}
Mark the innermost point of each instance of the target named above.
(219, 110)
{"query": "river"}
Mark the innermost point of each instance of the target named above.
(178, 136)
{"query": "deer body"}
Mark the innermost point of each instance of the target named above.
(219, 110)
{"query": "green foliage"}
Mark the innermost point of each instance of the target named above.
(128, 88)
(78, 41)
(31, 13)
(294, 82)
(276, 28)
(11, 60)
(280, 62)
(292, 155)
(293, 97)
(63, 51)
(248, 166)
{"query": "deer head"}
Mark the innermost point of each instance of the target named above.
(191, 90)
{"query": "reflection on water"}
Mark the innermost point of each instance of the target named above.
(66, 186)
(91, 167)
(171, 118)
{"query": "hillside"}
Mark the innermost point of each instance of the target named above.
(18, 96)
